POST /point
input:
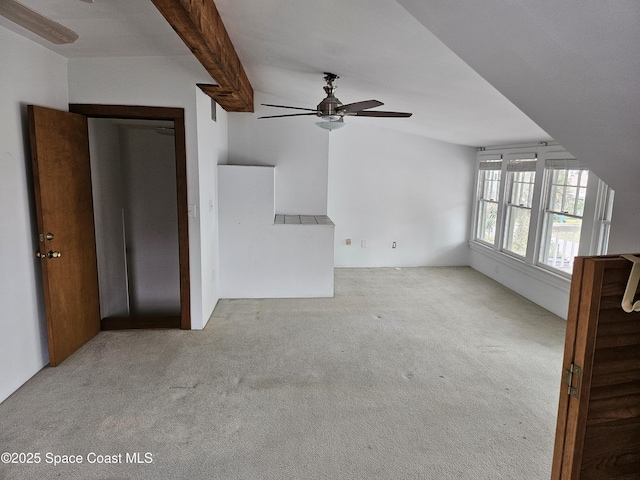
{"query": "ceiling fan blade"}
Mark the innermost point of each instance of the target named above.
(290, 115)
(382, 114)
(357, 106)
(36, 23)
(285, 106)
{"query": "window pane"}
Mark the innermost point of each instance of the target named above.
(567, 191)
(570, 201)
(515, 193)
(490, 184)
(489, 188)
(581, 196)
(584, 178)
(487, 216)
(518, 212)
(521, 188)
(555, 198)
(517, 231)
(562, 239)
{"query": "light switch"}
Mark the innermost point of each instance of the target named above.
(191, 210)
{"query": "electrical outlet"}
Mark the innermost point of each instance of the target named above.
(363, 243)
(348, 241)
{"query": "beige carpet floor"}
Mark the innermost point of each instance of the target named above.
(420, 373)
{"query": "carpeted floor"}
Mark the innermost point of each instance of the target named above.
(420, 373)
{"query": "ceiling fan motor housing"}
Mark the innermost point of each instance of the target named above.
(330, 106)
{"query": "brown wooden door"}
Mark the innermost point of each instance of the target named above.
(598, 430)
(64, 205)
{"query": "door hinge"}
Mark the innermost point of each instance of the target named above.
(568, 376)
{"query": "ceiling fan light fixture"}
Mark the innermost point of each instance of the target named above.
(331, 124)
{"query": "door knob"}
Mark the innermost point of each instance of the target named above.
(53, 254)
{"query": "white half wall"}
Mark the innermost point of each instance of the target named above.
(296, 145)
(543, 288)
(259, 259)
(387, 186)
(30, 74)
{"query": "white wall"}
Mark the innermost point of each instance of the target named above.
(386, 186)
(212, 151)
(166, 82)
(625, 223)
(151, 221)
(295, 145)
(30, 74)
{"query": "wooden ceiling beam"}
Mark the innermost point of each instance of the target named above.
(200, 27)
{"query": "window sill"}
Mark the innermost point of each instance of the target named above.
(538, 273)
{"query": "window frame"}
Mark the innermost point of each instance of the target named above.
(604, 216)
(551, 166)
(487, 164)
(522, 163)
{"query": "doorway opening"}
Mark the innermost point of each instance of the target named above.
(138, 166)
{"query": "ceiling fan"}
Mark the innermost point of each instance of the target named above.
(37, 23)
(332, 111)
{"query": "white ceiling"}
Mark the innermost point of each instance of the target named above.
(376, 47)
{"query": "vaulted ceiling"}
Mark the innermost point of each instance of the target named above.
(378, 49)
(573, 66)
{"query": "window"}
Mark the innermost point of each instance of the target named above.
(566, 192)
(488, 194)
(521, 176)
(533, 208)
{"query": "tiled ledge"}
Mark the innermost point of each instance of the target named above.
(302, 220)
